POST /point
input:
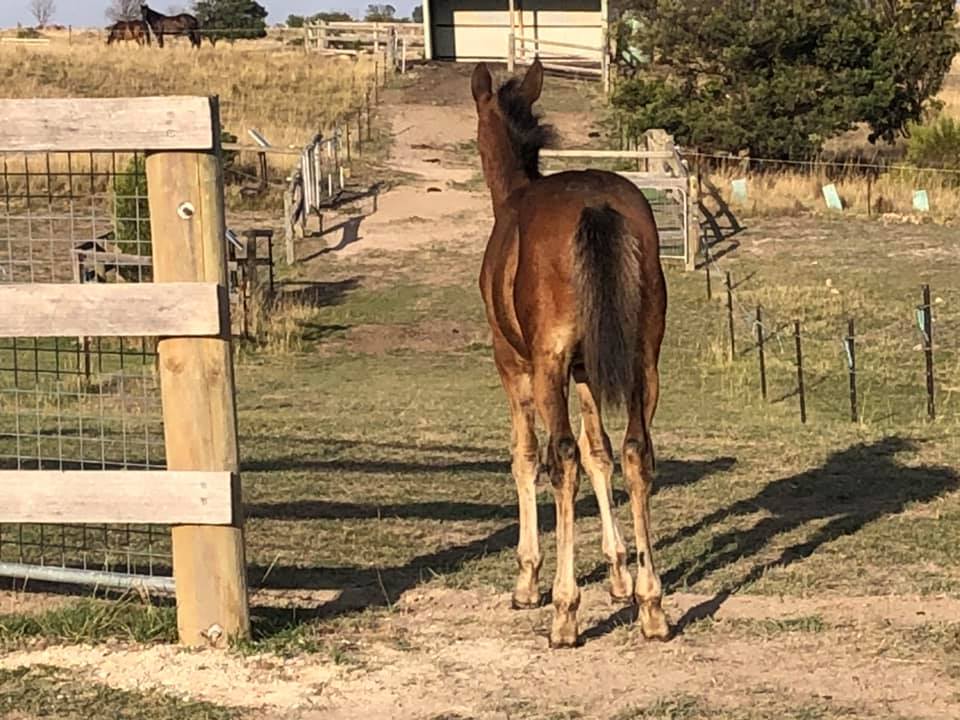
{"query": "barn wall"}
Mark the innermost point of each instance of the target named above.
(478, 29)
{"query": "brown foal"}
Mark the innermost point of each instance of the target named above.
(573, 287)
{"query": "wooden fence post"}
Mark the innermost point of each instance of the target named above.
(693, 239)
(288, 232)
(185, 191)
(605, 62)
(323, 40)
(391, 52)
(252, 275)
(511, 52)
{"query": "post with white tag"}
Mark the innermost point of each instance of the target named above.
(849, 346)
(925, 321)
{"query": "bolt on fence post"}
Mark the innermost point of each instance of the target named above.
(762, 358)
(800, 388)
(849, 345)
(926, 316)
(733, 342)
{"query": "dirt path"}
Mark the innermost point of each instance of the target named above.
(432, 124)
(445, 653)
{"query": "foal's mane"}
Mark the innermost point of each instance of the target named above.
(527, 136)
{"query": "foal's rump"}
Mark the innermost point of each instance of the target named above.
(613, 237)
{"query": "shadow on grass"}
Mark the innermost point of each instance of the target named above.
(365, 587)
(854, 487)
(671, 473)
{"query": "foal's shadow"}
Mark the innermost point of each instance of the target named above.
(852, 488)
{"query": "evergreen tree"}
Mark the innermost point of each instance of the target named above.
(231, 19)
(778, 77)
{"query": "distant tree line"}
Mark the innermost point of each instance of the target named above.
(374, 13)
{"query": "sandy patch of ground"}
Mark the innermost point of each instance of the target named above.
(443, 652)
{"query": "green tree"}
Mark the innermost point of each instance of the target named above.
(295, 21)
(231, 19)
(380, 13)
(335, 16)
(778, 77)
(417, 14)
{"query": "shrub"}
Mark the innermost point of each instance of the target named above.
(936, 144)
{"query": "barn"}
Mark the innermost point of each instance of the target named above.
(471, 30)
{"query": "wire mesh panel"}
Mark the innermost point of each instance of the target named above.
(670, 213)
(77, 403)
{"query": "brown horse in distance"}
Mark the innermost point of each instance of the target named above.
(160, 25)
(126, 30)
(573, 288)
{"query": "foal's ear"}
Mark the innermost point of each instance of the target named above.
(532, 83)
(481, 83)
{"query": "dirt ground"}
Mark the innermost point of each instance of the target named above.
(447, 653)
(455, 653)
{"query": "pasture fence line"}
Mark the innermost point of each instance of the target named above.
(789, 340)
(119, 474)
(892, 190)
(322, 167)
(396, 43)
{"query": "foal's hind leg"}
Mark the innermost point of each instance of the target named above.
(638, 469)
(524, 465)
(550, 387)
(596, 456)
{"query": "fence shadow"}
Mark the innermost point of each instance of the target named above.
(671, 473)
(349, 231)
(365, 587)
(319, 294)
(852, 488)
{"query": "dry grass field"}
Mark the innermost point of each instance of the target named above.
(811, 569)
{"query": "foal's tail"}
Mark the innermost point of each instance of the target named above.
(607, 266)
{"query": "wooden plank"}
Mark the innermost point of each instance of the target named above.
(116, 496)
(111, 310)
(25, 41)
(630, 154)
(110, 258)
(257, 149)
(105, 124)
(197, 391)
(552, 43)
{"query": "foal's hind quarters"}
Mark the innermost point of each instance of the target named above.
(573, 289)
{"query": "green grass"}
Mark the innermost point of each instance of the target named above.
(397, 461)
(41, 691)
(689, 707)
(91, 621)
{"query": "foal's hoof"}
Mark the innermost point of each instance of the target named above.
(564, 633)
(518, 603)
(653, 621)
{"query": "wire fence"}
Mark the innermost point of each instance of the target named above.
(874, 187)
(867, 364)
(69, 403)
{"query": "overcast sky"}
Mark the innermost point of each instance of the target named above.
(90, 13)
